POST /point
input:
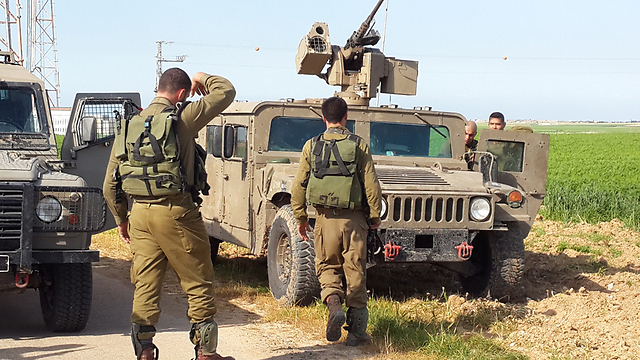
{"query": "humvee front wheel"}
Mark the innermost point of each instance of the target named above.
(500, 256)
(65, 296)
(290, 261)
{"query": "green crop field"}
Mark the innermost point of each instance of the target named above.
(594, 177)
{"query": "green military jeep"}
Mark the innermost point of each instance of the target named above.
(46, 215)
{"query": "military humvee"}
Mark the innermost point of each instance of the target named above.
(434, 209)
(46, 216)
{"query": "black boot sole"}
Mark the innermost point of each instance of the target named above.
(334, 325)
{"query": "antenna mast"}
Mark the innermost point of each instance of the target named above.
(42, 53)
(10, 19)
(160, 60)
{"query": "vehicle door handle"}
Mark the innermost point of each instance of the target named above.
(225, 176)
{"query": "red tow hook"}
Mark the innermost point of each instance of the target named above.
(22, 280)
(391, 251)
(464, 250)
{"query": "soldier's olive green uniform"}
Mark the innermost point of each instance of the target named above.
(340, 235)
(169, 229)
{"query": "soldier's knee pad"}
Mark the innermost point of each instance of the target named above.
(205, 336)
(142, 337)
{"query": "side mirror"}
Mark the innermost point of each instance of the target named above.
(88, 131)
(229, 141)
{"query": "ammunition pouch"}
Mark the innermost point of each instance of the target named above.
(142, 338)
(204, 336)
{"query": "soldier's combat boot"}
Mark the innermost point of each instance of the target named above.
(357, 320)
(204, 336)
(336, 318)
(142, 339)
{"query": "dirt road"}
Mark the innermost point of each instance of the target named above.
(24, 336)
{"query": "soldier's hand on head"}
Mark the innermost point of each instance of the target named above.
(303, 229)
(123, 230)
(196, 86)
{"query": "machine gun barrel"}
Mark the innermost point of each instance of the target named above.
(357, 36)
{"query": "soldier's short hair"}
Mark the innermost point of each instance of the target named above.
(497, 115)
(173, 80)
(334, 109)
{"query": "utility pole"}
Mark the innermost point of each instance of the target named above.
(160, 60)
(12, 19)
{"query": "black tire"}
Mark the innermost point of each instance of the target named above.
(215, 247)
(500, 255)
(291, 262)
(65, 296)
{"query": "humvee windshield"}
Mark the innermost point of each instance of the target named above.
(19, 110)
(395, 139)
(291, 133)
(509, 153)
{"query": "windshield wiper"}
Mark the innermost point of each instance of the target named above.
(429, 125)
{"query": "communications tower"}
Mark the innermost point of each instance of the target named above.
(41, 53)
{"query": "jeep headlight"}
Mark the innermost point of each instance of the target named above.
(48, 209)
(383, 208)
(480, 209)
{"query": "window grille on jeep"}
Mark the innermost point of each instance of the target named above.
(102, 110)
(10, 218)
(428, 209)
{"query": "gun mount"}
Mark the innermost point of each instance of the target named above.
(358, 69)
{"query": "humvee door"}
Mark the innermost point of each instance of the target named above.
(522, 158)
(90, 133)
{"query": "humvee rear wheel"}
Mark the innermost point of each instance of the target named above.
(65, 296)
(500, 256)
(290, 261)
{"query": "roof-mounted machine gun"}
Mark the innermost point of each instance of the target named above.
(356, 68)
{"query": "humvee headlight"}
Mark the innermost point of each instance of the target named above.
(480, 209)
(48, 209)
(383, 208)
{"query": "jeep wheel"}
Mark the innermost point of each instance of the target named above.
(500, 255)
(65, 296)
(291, 263)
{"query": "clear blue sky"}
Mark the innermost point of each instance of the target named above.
(566, 59)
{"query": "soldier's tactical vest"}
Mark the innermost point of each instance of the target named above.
(333, 180)
(148, 149)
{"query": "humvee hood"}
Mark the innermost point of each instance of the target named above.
(401, 178)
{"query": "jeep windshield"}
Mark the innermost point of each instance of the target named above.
(22, 119)
(397, 139)
(291, 133)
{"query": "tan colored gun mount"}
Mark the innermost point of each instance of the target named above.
(359, 70)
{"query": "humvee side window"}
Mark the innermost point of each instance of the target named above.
(18, 111)
(241, 143)
(510, 154)
(291, 133)
(395, 139)
(214, 140)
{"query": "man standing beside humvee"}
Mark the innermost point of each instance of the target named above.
(336, 175)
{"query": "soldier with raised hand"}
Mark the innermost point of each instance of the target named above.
(336, 175)
(165, 225)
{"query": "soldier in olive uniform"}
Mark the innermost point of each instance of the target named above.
(336, 175)
(470, 142)
(168, 229)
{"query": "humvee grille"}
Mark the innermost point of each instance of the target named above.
(431, 211)
(10, 218)
(409, 177)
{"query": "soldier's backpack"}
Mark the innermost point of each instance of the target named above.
(148, 149)
(333, 181)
